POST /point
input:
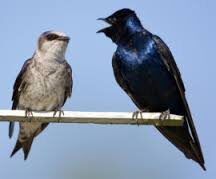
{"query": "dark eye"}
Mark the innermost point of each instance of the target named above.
(52, 37)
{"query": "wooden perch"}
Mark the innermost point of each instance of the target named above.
(92, 117)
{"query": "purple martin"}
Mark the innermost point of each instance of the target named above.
(145, 69)
(43, 84)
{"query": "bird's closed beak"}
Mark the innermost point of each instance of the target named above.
(64, 38)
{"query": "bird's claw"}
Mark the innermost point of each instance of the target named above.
(135, 116)
(165, 115)
(28, 113)
(61, 112)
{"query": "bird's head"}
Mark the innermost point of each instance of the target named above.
(119, 24)
(52, 43)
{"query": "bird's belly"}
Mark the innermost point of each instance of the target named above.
(152, 88)
(42, 95)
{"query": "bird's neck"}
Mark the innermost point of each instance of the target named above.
(51, 57)
(132, 26)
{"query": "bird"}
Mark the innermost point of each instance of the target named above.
(43, 84)
(145, 69)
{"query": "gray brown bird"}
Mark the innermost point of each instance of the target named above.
(43, 84)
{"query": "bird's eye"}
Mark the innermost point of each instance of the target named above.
(52, 37)
(114, 19)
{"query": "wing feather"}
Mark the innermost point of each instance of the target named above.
(19, 85)
(171, 66)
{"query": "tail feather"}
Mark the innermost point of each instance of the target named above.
(16, 148)
(181, 138)
(28, 131)
(199, 157)
(26, 146)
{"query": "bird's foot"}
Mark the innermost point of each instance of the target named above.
(135, 115)
(28, 113)
(165, 115)
(61, 112)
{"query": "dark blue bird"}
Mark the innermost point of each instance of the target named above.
(146, 70)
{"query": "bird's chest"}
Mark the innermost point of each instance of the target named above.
(147, 77)
(142, 68)
(45, 89)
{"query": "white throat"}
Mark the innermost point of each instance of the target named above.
(50, 56)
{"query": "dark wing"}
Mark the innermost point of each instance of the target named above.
(69, 82)
(120, 79)
(171, 66)
(117, 73)
(19, 85)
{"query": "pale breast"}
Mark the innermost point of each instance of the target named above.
(45, 89)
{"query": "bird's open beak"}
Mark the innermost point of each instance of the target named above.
(107, 20)
(64, 38)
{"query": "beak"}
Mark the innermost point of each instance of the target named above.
(102, 19)
(107, 20)
(64, 38)
(102, 30)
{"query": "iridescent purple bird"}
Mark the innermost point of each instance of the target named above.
(145, 69)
